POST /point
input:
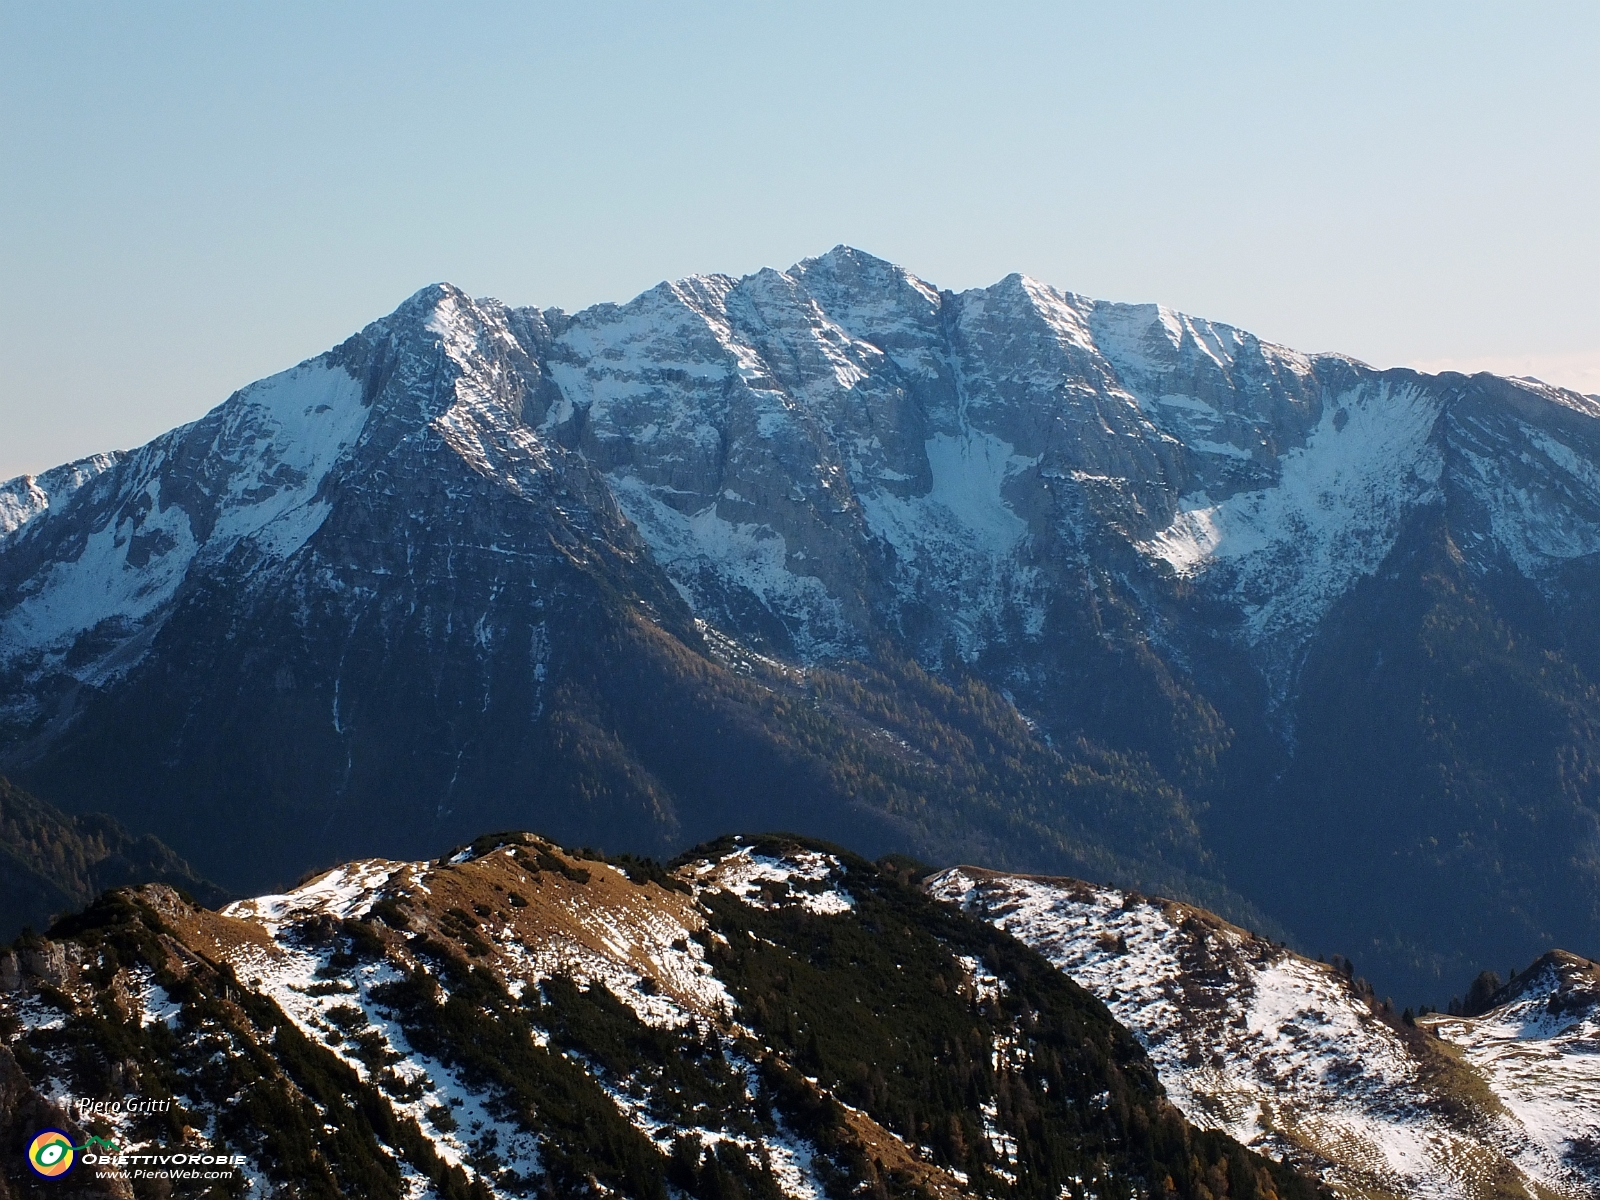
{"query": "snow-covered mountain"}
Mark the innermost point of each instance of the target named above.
(776, 438)
(1262, 609)
(818, 455)
(1295, 1059)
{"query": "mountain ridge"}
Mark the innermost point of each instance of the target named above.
(1303, 1061)
(455, 1017)
(1174, 551)
(769, 1018)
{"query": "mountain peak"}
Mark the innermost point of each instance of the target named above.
(455, 560)
(844, 258)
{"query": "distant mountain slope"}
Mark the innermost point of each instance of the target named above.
(1273, 631)
(1299, 1060)
(770, 1019)
(51, 863)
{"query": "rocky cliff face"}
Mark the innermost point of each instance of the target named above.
(1273, 621)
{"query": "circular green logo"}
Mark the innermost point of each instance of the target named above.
(51, 1154)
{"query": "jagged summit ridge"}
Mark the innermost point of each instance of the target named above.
(893, 415)
(841, 446)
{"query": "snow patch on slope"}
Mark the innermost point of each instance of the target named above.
(1289, 551)
(285, 433)
(1279, 1052)
(156, 1006)
(274, 442)
(101, 584)
(346, 892)
(965, 509)
(703, 549)
(1543, 502)
(1543, 1062)
(808, 880)
(963, 531)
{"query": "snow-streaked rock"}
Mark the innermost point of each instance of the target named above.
(1288, 1056)
(808, 880)
(251, 470)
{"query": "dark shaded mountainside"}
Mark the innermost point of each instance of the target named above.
(52, 864)
(1009, 575)
(765, 1019)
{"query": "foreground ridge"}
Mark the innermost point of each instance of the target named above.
(1299, 1060)
(769, 1018)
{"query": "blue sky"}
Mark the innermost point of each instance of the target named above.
(196, 195)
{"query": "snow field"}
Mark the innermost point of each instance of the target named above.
(1294, 548)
